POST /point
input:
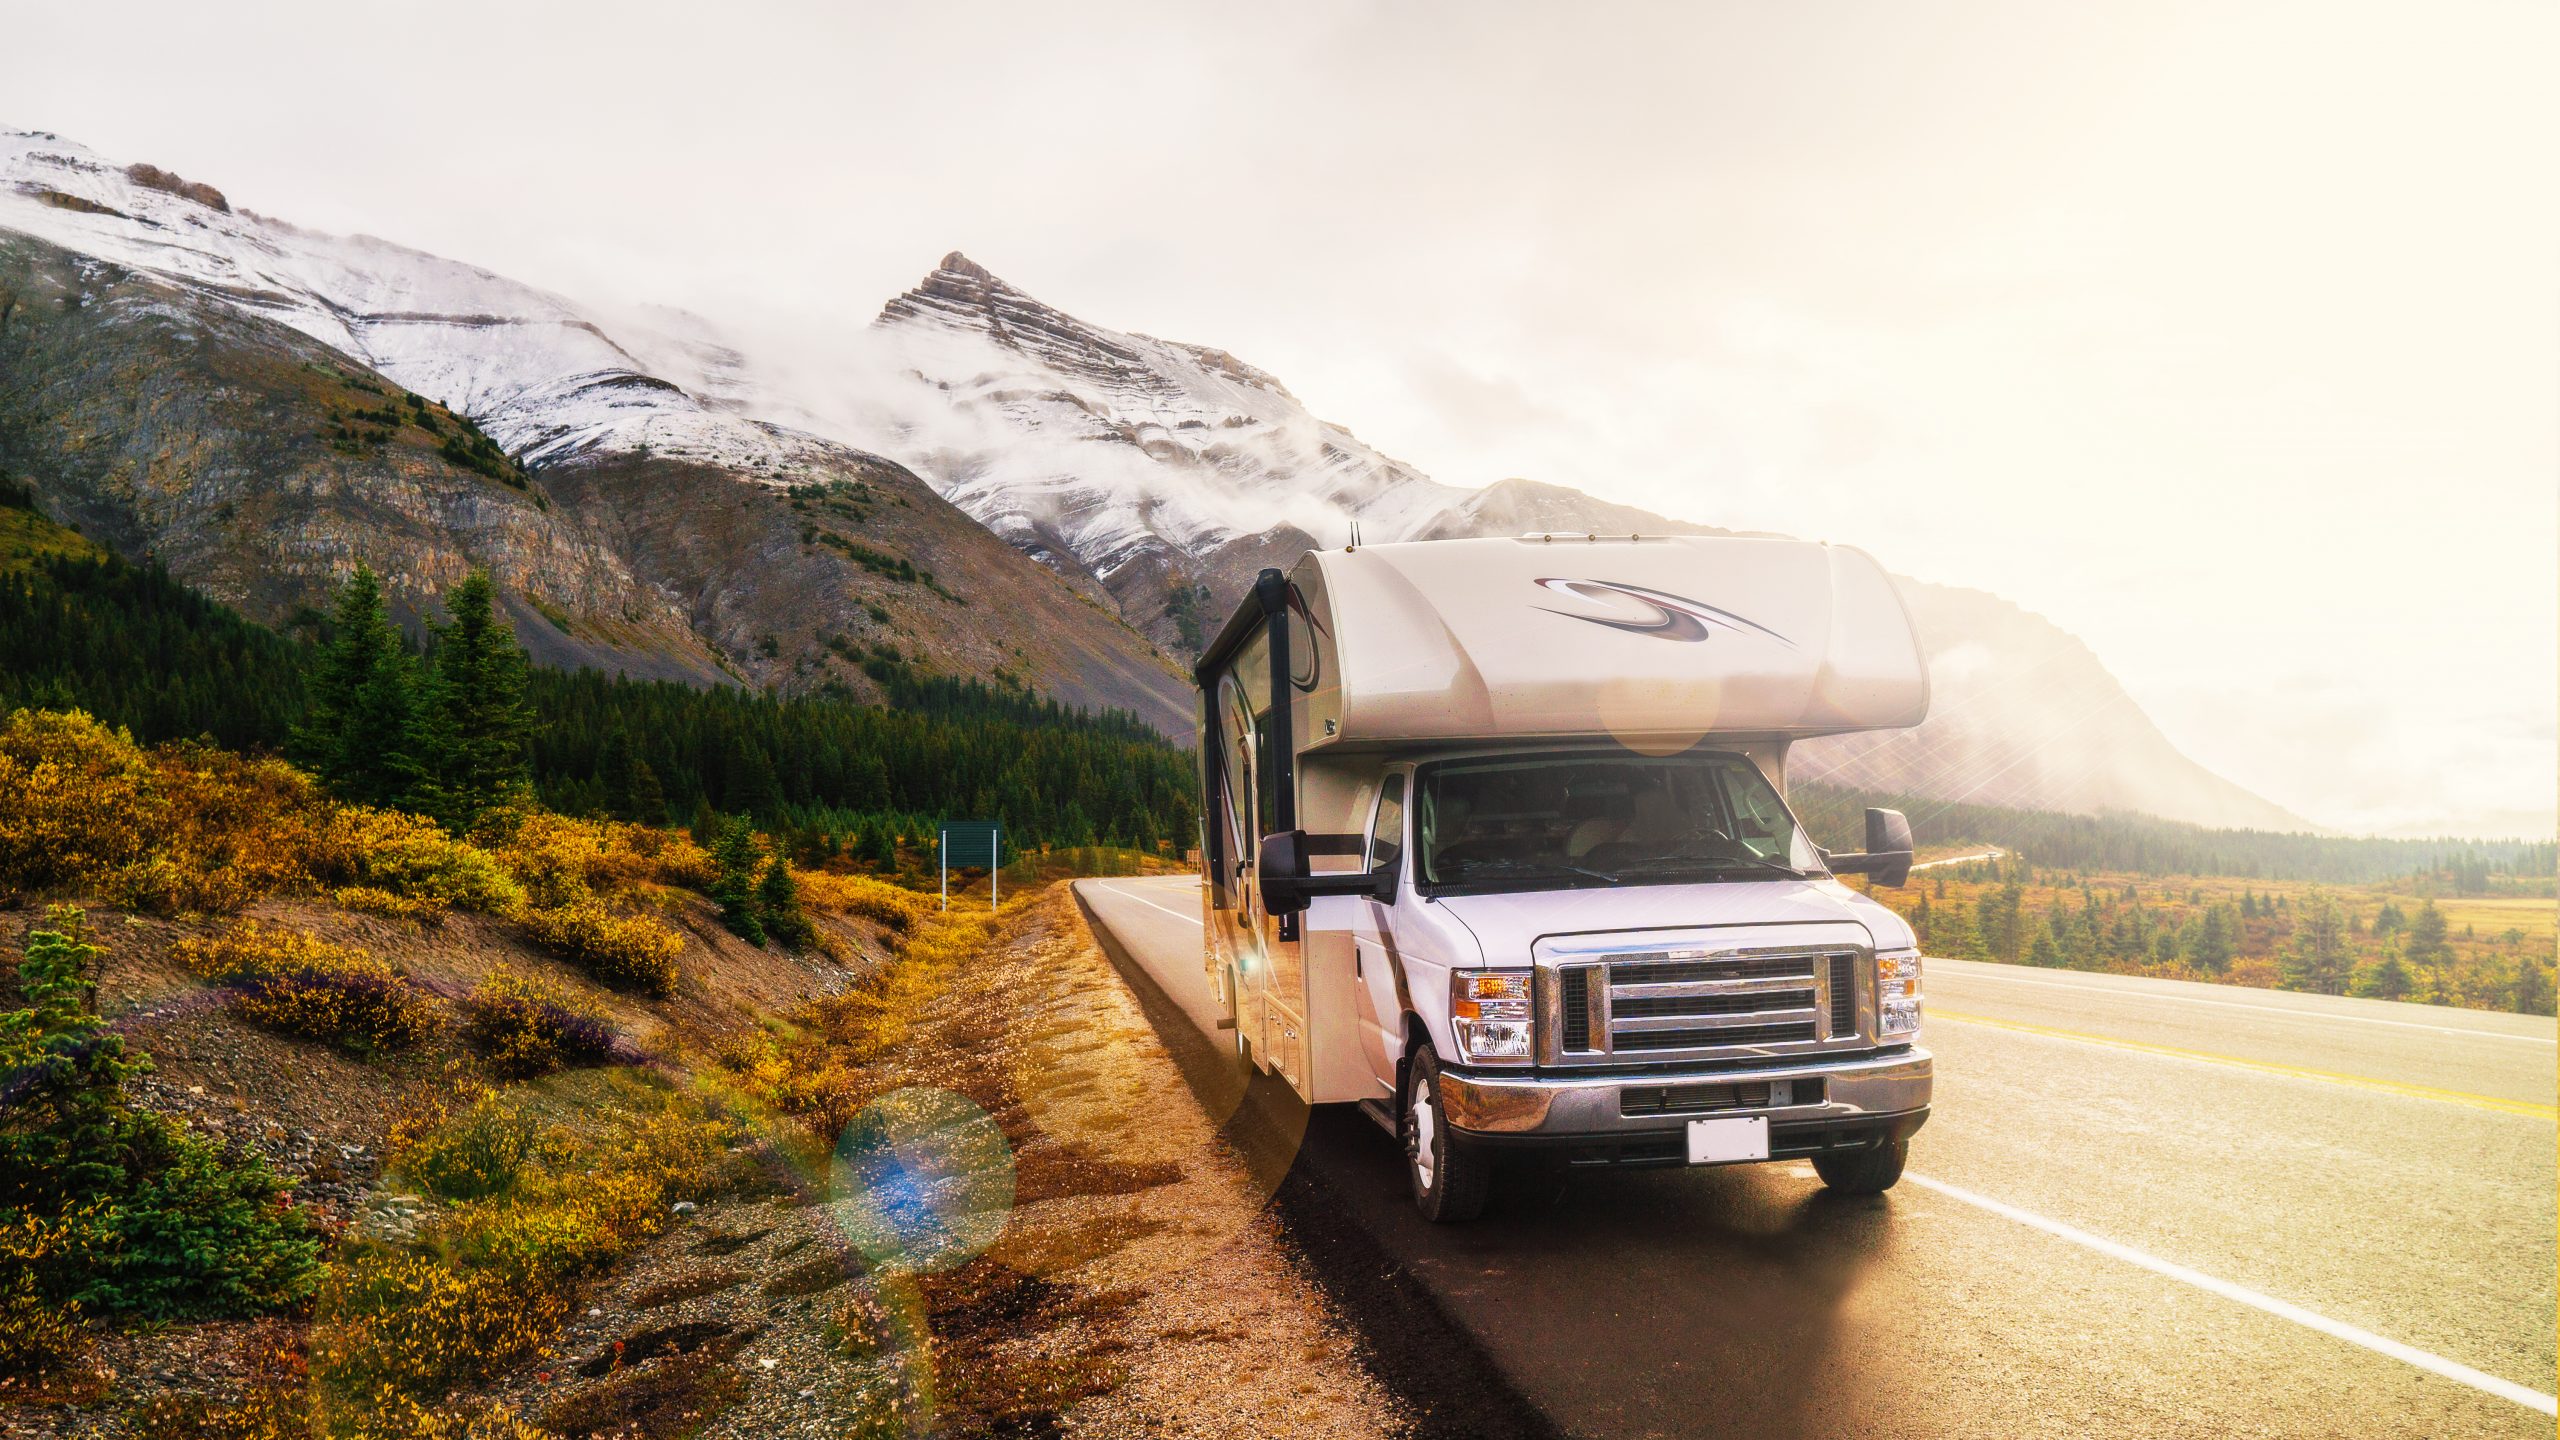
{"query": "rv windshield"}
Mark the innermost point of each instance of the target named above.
(1583, 819)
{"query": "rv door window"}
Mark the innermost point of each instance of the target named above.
(1576, 819)
(1235, 763)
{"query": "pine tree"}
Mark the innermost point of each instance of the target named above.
(648, 799)
(733, 888)
(477, 723)
(2533, 988)
(359, 733)
(2385, 979)
(778, 906)
(2427, 937)
(67, 1070)
(2317, 960)
(2209, 943)
(2044, 950)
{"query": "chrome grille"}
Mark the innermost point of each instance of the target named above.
(1664, 1004)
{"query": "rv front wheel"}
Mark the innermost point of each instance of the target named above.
(1450, 1177)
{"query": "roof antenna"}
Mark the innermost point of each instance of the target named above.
(1355, 538)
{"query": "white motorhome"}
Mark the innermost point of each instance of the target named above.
(1496, 846)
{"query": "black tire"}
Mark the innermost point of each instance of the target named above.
(1450, 1177)
(1863, 1172)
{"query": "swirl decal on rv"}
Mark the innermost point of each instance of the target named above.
(1306, 662)
(1673, 617)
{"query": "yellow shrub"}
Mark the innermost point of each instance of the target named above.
(894, 906)
(528, 1026)
(234, 828)
(410, 856)
(270, 1412)
(557, 858)
(77, 800)
(630, 952)
(576, 1232)
(301, 985)
(477, 1149)
(38, 1332)
(426, 910)
(413, 1325)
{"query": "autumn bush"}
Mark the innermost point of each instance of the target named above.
(413, 1325)
(40, 1330)
(78, 801)
(301, 985)
(629, 952)
(525, 1026)
(478, 1144)
(372, 900)
(232, 829)
(878, 901)
(411, 857)
(558, 857)
(549, 1185)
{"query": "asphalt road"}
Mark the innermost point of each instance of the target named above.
(2140, 1208)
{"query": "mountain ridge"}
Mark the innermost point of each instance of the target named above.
(791, 529)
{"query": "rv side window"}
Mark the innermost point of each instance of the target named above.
(1235, 781)
(1266, 775)
(1386, 834)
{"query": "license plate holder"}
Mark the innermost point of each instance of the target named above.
(1728, 1139)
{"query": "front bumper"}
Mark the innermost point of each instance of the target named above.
(1873, 1099)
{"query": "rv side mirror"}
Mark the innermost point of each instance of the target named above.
(1888, 857)
(1288, 880)
(1280, 866)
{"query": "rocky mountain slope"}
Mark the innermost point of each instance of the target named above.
(234, 396)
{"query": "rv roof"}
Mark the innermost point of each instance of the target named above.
(1652, 639)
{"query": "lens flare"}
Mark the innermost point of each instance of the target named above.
(922, 1180)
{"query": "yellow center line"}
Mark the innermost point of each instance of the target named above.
(2361, 1082)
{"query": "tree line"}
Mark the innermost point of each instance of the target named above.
(2144, 845)
(387, 720)
(2310, 939)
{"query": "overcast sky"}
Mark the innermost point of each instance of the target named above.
(2225, 336)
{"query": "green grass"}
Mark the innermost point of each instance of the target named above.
(26, 537)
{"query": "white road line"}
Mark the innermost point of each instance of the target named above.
(2433, 1364)
(2279, 1011)
(1194, 920)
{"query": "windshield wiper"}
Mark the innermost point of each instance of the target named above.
(1469, 867)
(1755, 864)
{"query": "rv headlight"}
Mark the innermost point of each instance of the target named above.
(1897, 992)
(1489, 1012)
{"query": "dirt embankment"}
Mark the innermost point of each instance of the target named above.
(1029, 1228)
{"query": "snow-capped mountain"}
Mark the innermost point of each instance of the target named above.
(298, 406)
(544, 378)
(694, 509)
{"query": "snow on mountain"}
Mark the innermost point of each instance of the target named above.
(542, 376)
(1093, 446)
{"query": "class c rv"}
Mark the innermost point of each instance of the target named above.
(1496, 846)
